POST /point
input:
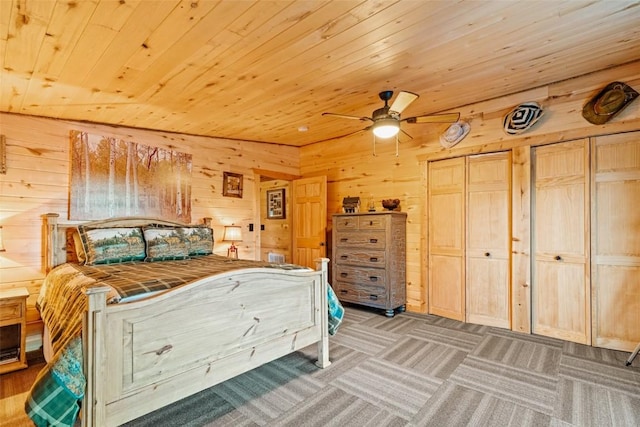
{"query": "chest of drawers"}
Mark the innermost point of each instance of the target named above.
(369, 259)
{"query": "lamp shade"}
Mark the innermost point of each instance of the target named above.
(232, 233)
(386, 128)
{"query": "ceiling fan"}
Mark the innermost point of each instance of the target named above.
(386, 120)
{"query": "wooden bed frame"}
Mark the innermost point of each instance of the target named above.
(143, 355)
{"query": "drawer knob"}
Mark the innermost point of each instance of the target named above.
(373, 259)
(487, 254)
(373, 240)
(344, 257)
(344, 239)
(343, 274)
(558, 258)
(373, 278)
(373, 297)
(342, 291)
(370, 222)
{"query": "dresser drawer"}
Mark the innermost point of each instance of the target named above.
(361, 276)
(10, 310)
(373, 222)
(369, 240)
(347, 223)
(372, 296)
(361, 258)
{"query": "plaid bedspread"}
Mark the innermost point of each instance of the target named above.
(54, 397)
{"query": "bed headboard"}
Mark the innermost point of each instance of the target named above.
(58, 240)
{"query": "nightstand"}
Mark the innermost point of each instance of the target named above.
(13, 329)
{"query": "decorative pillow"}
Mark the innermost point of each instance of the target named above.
(112, 245)
(199, 240)
(165, 243)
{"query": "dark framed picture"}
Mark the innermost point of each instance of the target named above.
(232, 184)
(276, 204)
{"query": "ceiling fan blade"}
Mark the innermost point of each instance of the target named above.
(402, 130)
(402, 101)
(434, 118)
(344, 116)
(345, 135)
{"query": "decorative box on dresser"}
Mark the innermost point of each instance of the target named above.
(369, 259)
(13, 332)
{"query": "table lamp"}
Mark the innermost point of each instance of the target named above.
(232, 233)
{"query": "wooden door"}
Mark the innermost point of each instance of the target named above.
(560, 288)
(488, 242)
(616, 241)
(446, 196)
(309, 208)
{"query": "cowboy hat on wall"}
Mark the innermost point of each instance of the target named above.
(521, 118)
(609, 102)
(454, 134)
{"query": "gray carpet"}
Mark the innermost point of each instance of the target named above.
(419, 370)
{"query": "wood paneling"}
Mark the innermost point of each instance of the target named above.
(37, 182)
(521, 240)
(37, 178)
(257, 70)
(352, 170)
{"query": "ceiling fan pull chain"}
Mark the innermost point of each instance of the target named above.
(374, 145)
(397, 141)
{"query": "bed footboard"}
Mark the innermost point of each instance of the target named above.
(144, 355)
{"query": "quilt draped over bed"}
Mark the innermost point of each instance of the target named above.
(54, 397)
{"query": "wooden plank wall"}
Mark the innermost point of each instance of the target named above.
(37, 179)
(37, 182)
(352, 170)
(276, 236)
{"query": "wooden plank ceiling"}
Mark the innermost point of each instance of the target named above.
(260, 70)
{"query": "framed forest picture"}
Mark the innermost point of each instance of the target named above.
(111, 177)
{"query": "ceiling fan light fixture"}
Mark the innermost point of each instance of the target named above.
(386, 128)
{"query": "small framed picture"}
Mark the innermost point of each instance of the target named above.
(276, 204)
(232, 184)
